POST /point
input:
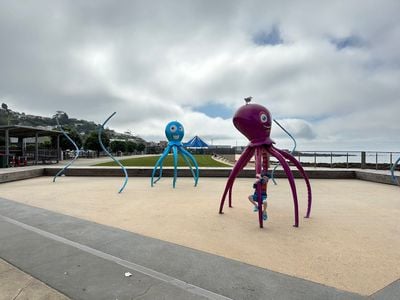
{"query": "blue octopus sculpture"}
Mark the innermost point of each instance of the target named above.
(175, 132)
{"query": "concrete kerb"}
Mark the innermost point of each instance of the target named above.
(27, 173)
(204, 172)
(14, 175)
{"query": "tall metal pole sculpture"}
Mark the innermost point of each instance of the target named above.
(110, 155)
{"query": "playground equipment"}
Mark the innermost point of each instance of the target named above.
(394, 179)
(175, 132)
(109, 154)
(76, 153)
(254, 121)
(291, 152)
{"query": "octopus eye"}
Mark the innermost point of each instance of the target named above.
(180, 128)
(172, 128)
(263, 118)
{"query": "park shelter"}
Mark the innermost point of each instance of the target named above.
(21, 134)
(196, 143)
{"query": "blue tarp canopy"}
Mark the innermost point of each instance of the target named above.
(196, 142)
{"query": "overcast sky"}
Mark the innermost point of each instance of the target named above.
(329, 71)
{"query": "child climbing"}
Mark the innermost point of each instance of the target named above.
(263, 179)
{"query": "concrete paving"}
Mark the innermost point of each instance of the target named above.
(86, 260)
(18, 285)
(98, 160)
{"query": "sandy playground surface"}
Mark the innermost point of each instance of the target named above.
(351, 241)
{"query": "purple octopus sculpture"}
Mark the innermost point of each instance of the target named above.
(254, 121)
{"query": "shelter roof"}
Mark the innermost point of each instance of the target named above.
(196, 142)
(27, 131)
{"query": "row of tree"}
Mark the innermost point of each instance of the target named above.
(82, 132)
(91, 142)
(73, 125)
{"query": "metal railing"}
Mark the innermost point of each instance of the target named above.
(378, 160)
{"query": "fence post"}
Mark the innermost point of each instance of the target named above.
(331, 160)
(391, 160)
(376, 160)
(347, 160)
(315, 159)
(363, 156)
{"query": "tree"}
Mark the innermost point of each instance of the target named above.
(65, 143)
(46, 145)
(92, 141)
(62, 117)
(5, 107)
(140, 147)
(118, 146)
(130, 146)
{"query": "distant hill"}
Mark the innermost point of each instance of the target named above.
(83, 127)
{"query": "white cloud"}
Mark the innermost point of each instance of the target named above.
(153, 62)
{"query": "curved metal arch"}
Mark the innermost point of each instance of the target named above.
(109, 154)
(291, 152)
(76, 154)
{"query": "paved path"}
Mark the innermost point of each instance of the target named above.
(85, 260)
(93, 161)
(18, 285)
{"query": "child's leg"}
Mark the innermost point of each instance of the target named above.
(255, 204)
(251, 200)
(265, 217)
(265, 205)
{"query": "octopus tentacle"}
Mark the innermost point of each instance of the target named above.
(240, 164)
(175, 153)
(187, 161)
(248, 158)
(165, 154)
(262, 162)
(258, 167)
(230, 195)
(303, 173)
(258, 160)
(186, 154)
(159, 163)
(289, 174)
(259, 204)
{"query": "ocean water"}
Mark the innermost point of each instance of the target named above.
(343, 157)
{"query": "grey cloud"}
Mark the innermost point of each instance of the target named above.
(296, 127)
(152, 61)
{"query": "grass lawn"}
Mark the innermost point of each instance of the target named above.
(150, 161)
